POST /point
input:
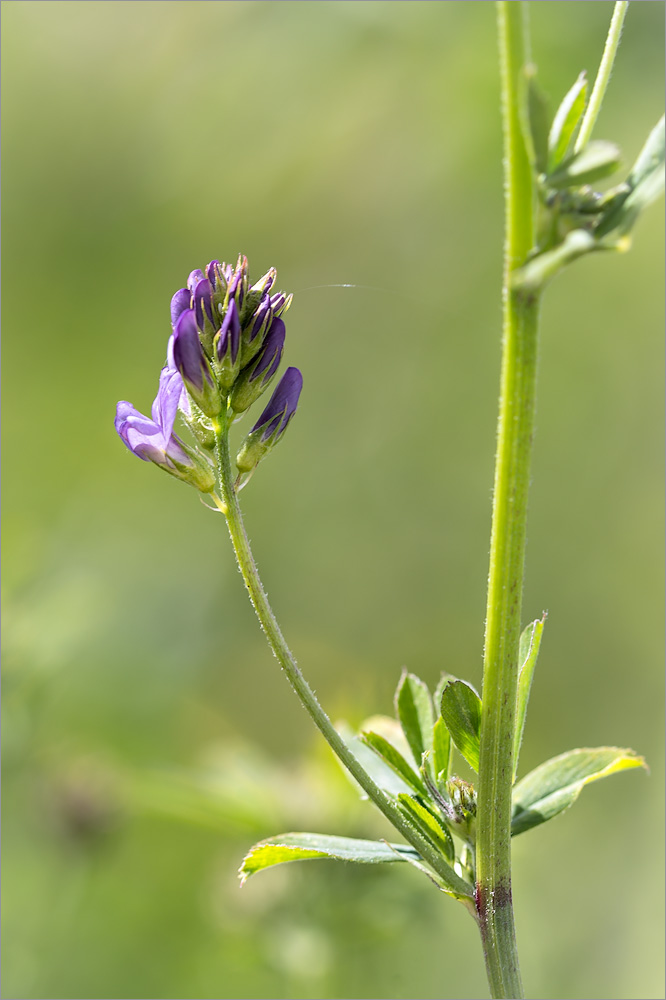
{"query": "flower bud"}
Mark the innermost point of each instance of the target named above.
(265, 283)
(280, 303)
(203, 311)
(238, 285)
(273, 422)
(254, 378)
(227, 347)
(255, 295)
(219, 276)
(191, 362)
(254, 330)
(461, 813)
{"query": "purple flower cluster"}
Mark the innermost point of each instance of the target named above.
(222, 324)
(225, 348)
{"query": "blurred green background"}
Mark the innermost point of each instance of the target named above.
(149, 738)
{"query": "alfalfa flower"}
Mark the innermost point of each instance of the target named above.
(152, 439)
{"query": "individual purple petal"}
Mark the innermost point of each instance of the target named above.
(238, 284)
(212, 271)
(229, 340)
(233, 286)
(281, 406)
(134, 428)
(141, 434)
(270, 354)
(188, 354)
(203, 305)
(165, 405)
(180, 301)
(195, 277)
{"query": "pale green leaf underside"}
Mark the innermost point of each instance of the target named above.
(538, 122)
(530, 641)
(377, 768)
(388, 753)
(312, 846)
(441, 748)
(556, 784)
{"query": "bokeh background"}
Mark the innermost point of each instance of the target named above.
(149, 738)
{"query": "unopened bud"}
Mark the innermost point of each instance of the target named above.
(255, 378)
(273, 422)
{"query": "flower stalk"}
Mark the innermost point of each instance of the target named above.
(285, 657)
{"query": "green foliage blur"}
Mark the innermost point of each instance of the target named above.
(149, 738)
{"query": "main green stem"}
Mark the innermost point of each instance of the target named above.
(286, 659)
(508, 536)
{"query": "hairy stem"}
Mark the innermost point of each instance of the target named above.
(507, 546)
(286, 659)
(603, 76)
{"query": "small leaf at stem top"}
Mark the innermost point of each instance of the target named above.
(565, 122)
(595, 161)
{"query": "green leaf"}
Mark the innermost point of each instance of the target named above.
(528, 652)
(536, 125)
(313, 846)
(394, 759)
(597, 160)
(310, 846)
(441, 748)
(555, 785)
(413, 706)
(428, 824)
(565, 122)
(643, 186)
(461, 711)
